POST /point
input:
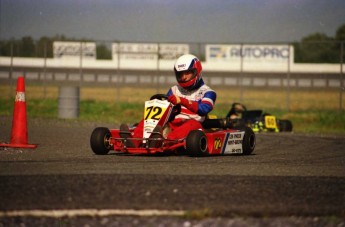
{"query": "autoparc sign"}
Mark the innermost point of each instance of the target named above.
(74, 49)
(251, 53)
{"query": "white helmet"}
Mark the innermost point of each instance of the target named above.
(184, 63)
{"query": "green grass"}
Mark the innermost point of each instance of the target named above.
(119, 112)
(89, 110)
(304, 121)
(311, 111)
(322, 121)
(35, 108)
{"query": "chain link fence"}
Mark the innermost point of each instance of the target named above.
(311, 67)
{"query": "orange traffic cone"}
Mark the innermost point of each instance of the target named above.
(19, 135)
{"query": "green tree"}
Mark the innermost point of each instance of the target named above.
(340, 34)
(5, 48)
(103, 52)
(340, 37)
(317, 48)
(44, 47)
(27, 47)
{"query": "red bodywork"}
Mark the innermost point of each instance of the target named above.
(216, 141)
(215, 138)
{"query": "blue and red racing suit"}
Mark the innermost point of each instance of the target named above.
(195, 105)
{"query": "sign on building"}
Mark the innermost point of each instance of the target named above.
(148, 51)
(135, 51)
(74, 49)
(249, 53)
(172, 51)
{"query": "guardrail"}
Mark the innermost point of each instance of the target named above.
(107, 77)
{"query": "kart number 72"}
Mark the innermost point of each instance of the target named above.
(153, 112)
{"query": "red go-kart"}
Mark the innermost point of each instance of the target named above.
(217, 137)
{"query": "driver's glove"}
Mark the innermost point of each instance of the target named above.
(174, 99)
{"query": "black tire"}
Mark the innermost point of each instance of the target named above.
(99, 141)
(249, 141)
(285, 126)
(196, 143)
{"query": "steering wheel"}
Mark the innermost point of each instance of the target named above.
(159, 96)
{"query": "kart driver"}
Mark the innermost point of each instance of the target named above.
(195, 97)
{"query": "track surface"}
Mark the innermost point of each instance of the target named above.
(294, 180)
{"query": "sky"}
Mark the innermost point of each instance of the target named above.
(206, 21)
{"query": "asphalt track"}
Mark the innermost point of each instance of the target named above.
(290, 180)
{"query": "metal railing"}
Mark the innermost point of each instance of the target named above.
(43, 69)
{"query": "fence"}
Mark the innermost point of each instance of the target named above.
(243, 66)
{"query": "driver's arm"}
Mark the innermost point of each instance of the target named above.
(201, 107)
(206, 103)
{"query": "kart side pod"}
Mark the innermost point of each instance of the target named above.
(241, 141)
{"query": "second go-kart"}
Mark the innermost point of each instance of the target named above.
(258, 120)
(216, 138)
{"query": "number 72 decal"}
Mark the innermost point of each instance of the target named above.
(153, 112)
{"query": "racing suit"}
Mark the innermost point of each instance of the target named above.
(195, 105)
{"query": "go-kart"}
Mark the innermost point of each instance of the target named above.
(258, 120)
(216, 138)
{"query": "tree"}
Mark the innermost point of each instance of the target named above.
(103, 52)
(45, 47)
(5, 48)
(27, 47)
(340, 34)
(340, 37)
(317, 48)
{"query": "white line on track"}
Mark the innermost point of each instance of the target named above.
(89, 212)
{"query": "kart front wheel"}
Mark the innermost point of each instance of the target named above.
(196, 143)
(99, 141)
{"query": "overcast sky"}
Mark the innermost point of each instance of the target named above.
(212, 21)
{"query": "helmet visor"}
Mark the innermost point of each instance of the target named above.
(186, 75)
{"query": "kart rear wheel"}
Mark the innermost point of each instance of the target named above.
(285, 126)
(249, 141)
(99, 141)
(196, 143)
